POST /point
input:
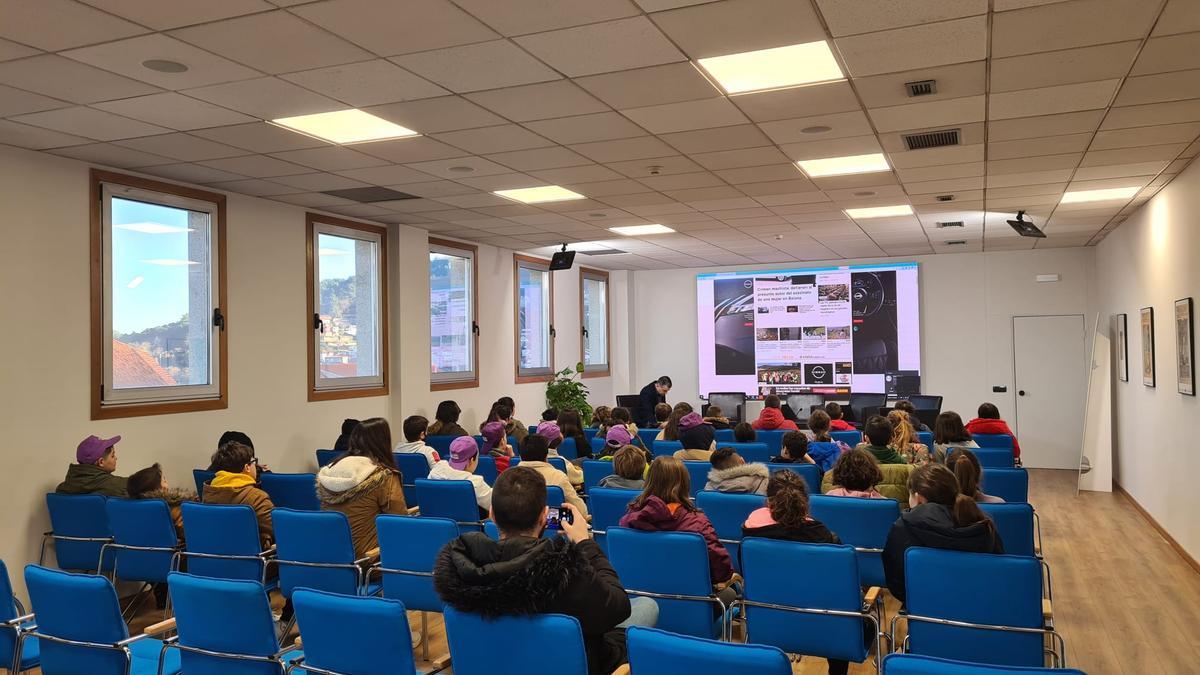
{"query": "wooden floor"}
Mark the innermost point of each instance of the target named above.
(1123, 598)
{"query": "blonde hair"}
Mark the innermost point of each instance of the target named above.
(903, 433)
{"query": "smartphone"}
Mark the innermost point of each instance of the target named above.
(556, 516)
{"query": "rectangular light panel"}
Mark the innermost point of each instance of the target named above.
(1099, 195)
(634, 230)
(880, 211)
(537, 195)
(345, 126)
(842, 166)
(775, 68)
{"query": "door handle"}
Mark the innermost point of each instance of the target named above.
(1021, 392)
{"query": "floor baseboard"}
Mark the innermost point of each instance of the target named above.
(1187, 557)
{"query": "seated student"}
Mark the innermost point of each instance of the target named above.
(150, 483)
(236, 482)
(534, 453)
(629, 469)
(836, 423)
(570, 423)
(619, 437)
(92, 472)
(697, 439)
(662, 412)
(793, 449)
(772, 417)
(553, 435)
(600, 416)
(906, 442)
(525, 573)
(464, 458)
(239, 437)
(787, 515)
(731, 473)
(949, 433)
(415, 428)
(495, 443)
(716, 417)
(342, 444)
(446, 420)
(968, 471)
(855, 474)
(989, 422)
(911, 410)
(744, 433)
(620, 418)
(878, 432)
(512, 426)
(940, 517)
(819, 425)
(550, 415)
(364, 483)
(670, 430)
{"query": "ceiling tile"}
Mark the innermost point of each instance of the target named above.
(60, 24)
(1045, 125)
(539, 101)
(680, 181)
(182, 147)
(191, 173)
(539, 158)
(405, 150)
(68, 80)
(1131, 155)
(608, 188)
(366, 83)
(254, 187)
(834, 147)
(576, 174)
(260, 137)
(1142, 136)
(389, 28)
(385, 175)
(444, 168)
(1068, 66)
(712, 140)
(1029, 178)
(89, 122)
(16, 102)
(111, 155)
(314, 200)
(257, 166)
(603, 47)
(1179, 16)
(330, 158)
(817, 99)
(733, 159)
(861, 182)
(1174, 86)
(501, 138)
(926, 115)
(760, 174)
(165, 15)
(1166, 54)
(959, 154)
(436, 188)
(35, 138)
(688, 115)
(1032, 147)
(586, 128)
(486, 65)
(944, 186)
(518, 17)
(939, 172)
(11, 50)
(1150, 115)
(1044, 163)
(777, 187)
(953, 81)
(624, 149)
(174, 111)
(317, 182)
(273, 42)
(850, 17)
(935, 44)
(126, 57)
(655, 166)
(1070, 24)
(735, 26)
(649, 86)
(265, 98)
(431, 115)
(1050, 100)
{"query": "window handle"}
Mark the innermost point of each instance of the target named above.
(475, 328)
(318, 324)
(585, 331)
(218, 319)
(552, 333)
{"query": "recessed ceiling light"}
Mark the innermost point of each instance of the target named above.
(776, 68)
(1099, 195)
(880, 211)
(461, 169)
(841, 166)
(865, 193)
(819, 129)
(345, 126)
(634, 230)
(537, 195)
(164, 66)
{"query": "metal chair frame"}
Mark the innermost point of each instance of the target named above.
(1058, 656)
(865, 614)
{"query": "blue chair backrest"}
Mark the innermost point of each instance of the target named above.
(590, 432)
(1005, 590)
(567, 448)
(594, 471)
(809, 472)
(661, 448)
(598, 444)
(926, 438)
(223, 615)
(82, 516)
(441, 444)
(648, 436)
(993, 440)
(221, 529)
(1014, 524)
(861, 523)
(1011, 485)
(633, 554)
(554, 495)
(487, 469)
(698, 474)
(326, 457)
(915, 664)
(202, 476)
(559, 641)
(79, 607)
(770, 570)
(453, 499)
(347, 634)
(751, 452)
(773, 438)
(291, 490)
(606, 506)
(8, 612)
(143, 523)
(314, 537)
(728, 511)
(723, 436)
(662, 653)
(411, 545)
(559, 463)
(412, 465)
(850, 438)
(994, 458)
(493, 531)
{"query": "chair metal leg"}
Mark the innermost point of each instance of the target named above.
(424, 636)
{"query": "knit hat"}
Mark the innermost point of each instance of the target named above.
(462, 450)
(493, 433)
(699, 437)
(618, 436)
(690, 420)
(550, 431)
(91, 449)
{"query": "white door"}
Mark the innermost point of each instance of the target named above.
(1050, 377)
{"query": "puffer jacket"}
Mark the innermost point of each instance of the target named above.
(932, 525)
(656, 516)
(89, 479)
(362, 490)
(893, 486)
(174, 497)
(238, 488)
(772, 418)
(747, 478)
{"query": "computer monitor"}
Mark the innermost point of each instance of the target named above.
(730, 402)
(863, 406)
(802, 404)
(926, 402)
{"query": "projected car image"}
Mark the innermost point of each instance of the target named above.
(733, 326)
(873, 308)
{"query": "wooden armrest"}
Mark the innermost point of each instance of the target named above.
(298, 643)
(735, 579)
(373, 553)
(160, 627)
(871, 596)
(622, 670)
(414, 510)
(1047, 610)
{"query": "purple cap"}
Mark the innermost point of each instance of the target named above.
(462, 450)
(619, 435)
(550, 431)
(493, 432)
(91, 449)
(692, 419)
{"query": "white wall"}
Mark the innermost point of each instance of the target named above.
(1150, 260)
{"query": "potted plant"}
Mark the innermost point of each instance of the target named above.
(567, 390)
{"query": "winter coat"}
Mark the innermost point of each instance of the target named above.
(523, 576)
(980, 425)
(621, 483)
(694, 455)
(238, 488)
(89, 479)
(825, 454)
(442, 429)
(361, 490)
(648, 397)
(516, 429)
(555, 477)
(761, 524)
(932, 526)
(893, 486)
(840, 425)
(656, 516)
(483, 492)
(431, 455)
(772, 418)
(747, 478)
(857, 494)
(885, 454)
(174, 497)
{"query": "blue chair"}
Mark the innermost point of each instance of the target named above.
(661, 448)
(1015, 523)
(594, 471)
(698, 473)
(348, 634)
(751, 452)
(850, 438)
(453, 499)
(559, 641)
(314, 550)
(493, 531)
(993, 441)
(728, 511)
(80, 629)
(994, 458)
(326, 457)
(412, 465)
(662, 653)
(408, 547)
(863, 524)
(291, 490)
(773, 438)
(926, 438)
(1003, 624)
(648, 436)
(598, 444)
(685, 597)
(567, 449)
(202, 476)
(225, 628)
(556, 462)
(79, 530)
(914, 664)
(1011, 485)
(144, 540)
(824, 618)
(590, 432)
(723, 436)
(607, 506)
(809, 472)
(12, 620)
(554, 495)
(223, 542)
(487, 469)
(441, 444)
(512, 443)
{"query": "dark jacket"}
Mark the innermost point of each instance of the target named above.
(648, 397)
(525, 576)
(89, 479)
(812, 532)
(451, 429)
(932, 526)
(655, 516)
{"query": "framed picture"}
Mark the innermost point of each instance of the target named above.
(1122, 345)
(1148, 346)
(1185, 365)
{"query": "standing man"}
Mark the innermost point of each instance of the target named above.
(650, 396)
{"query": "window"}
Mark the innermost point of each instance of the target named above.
(158, 297)
(347, 303)
(534, 293)
(453, 327)
(593, 313)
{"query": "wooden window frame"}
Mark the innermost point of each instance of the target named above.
(315, 394)
(541, 262)
(96, 179)
(474, 251)
(601, 275)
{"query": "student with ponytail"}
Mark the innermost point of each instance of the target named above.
(940, 517)
(968, 471)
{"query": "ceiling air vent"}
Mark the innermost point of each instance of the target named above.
(932, 139)
(921, 88)
(603, 251)
(950, 223)
(368, 195)
(956, 242)
(945, 198)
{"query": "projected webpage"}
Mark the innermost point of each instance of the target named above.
(828, 330)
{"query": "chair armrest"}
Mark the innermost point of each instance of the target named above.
(160, 627)
(298, 642)
(1047, 610)
(735, 579)
(871, 596)
(268, 552)
(622, 670)
(414, 510)
(369, 557)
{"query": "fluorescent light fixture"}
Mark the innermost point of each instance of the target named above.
(344, 126)
(152, 228)
(842, 166)
(332, 251)
(635, 230)
(135, 282)
(1099, 195)
(775, 68)
(537, 195)
(170, 262)
(880, 211)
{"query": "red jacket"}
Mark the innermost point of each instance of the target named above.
(980, 425)
(772, 418)
(655, 516)
(840, 425)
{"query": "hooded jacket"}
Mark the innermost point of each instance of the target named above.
(174, 497)
(431, 455)
(747, 478)
(932, 526)
(361, 489)
(238, 488)
(439, 428)
(761, 524)
(89, 479)
(772, 418)
(980, 425)
(523, 576)
(656, 516)
(840, 425)
(893, 486)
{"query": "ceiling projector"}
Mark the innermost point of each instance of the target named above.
(1026, 228)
